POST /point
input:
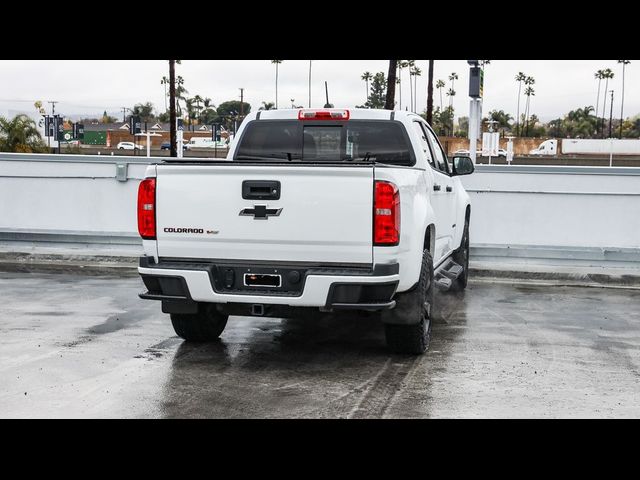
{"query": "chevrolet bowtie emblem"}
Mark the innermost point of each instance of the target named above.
(260, 212)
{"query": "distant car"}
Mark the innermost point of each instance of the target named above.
(501, 152)
(129, 146)
(167, 146)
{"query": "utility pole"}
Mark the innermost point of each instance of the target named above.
(611, 114)
(241, 102)
(124, 114)
(172, 107)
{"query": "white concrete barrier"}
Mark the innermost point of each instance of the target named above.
(587, 215)
(556, 213)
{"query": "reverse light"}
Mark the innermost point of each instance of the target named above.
(337, 114)
(147, 209)
(386, 214)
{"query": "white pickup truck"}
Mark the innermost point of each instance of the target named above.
(327, 209)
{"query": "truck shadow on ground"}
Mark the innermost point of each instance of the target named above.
(326, 366)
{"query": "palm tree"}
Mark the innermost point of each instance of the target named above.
(606, 74)
(529, 92)
(451, 93)
(521, 77)
(276, 62)
(440, 85)
(267, 106)
(401, 64)
(453, 77)
(197, 99)
(599, 75)
(180, 94)
(624, 64)
(415, 72)
(20, 135)
(366, 76)
(165, 82)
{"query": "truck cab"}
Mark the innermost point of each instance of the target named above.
(548, 147)
(325, 210)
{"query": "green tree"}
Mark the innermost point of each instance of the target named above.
(442, 120)
(267, 106)
(108, 118)
(378, 94)
(209, 115)
(20, 135)
(276, 63)
(229, 112)
(366, 76)
(504, 120)
(144, 110)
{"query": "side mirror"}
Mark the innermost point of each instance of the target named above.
(462, 165)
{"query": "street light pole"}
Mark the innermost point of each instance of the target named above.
(172, 108)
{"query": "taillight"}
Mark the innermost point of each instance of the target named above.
(147, 208)
(386, 214)
(323, 115)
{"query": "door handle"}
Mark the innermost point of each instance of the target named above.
(449, 189)
(436, 188)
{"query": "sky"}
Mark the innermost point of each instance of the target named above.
(89, 87)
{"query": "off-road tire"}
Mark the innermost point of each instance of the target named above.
(414, 307)
(461, 257)
(204, 326)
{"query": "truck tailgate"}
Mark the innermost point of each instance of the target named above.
(323, 213)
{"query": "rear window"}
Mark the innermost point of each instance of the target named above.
(381, 141)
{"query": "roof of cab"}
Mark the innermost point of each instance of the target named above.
(354, 113)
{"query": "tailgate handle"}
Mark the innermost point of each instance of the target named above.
(261, 190)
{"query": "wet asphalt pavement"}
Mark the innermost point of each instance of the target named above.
(86, 346)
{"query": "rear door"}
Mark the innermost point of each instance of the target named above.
(273, 212)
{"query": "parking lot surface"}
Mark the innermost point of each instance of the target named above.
(75, 345)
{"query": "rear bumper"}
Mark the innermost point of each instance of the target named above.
(326, 287)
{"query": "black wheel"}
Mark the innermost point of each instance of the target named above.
(204, 326)
(461, 257)
(408, 325)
